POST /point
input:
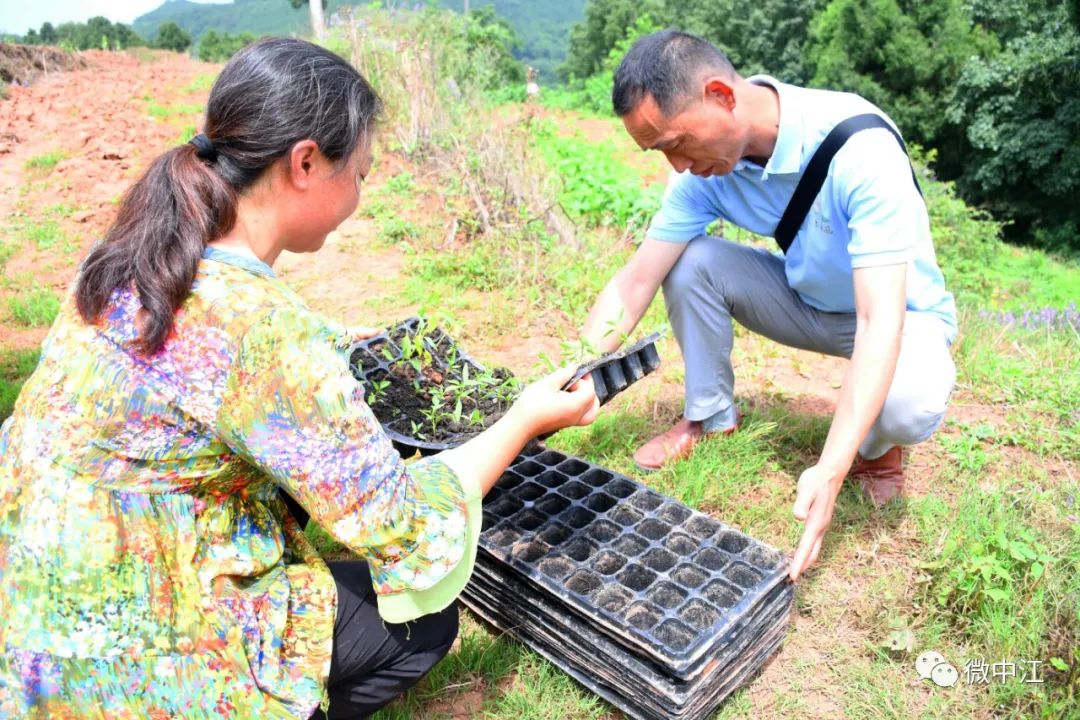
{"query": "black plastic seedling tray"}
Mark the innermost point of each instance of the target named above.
(654, 575)
(637, 687)
(368, 361)
(614, 372)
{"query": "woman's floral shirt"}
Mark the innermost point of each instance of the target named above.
(148, 567)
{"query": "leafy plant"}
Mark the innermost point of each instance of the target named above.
(378, 389)
(597, 188)
(972, 575)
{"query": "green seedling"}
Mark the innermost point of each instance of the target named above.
(378, 389)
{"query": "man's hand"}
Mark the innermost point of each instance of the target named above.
(814, 503)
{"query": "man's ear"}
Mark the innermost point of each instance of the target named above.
(719, 90)
(301, 163)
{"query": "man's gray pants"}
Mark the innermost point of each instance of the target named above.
(715, 281)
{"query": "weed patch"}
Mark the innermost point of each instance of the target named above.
(201, 83)
(7, 249)
(45, 161)
(15, 367)
(36, 308)
(159, 111)
(597, 189)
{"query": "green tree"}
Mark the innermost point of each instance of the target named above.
(48, 34)
(903, 55)
(757, 35)
(606, 23)
(1020, 113)
(491, 43)
(218, 47)
(171, 37)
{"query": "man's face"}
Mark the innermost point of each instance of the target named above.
(702, 136)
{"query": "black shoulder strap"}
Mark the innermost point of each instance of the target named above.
(811, 181)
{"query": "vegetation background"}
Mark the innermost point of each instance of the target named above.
(502, 218)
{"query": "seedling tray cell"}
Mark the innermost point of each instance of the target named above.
(610, 549)
(614, 372)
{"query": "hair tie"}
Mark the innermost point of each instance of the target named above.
(204, 148)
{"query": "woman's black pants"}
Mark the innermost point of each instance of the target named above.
(375, 662)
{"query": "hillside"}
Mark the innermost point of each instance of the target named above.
(260, 17)
(544, 28)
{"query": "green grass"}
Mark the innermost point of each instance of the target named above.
(43, 234)
(201, 83)
(15, 367)
(597, 188)
(7, 250)
(45, 161)
(37, 307)
(1029, 376)
(189, 131)
(156, 110)
(396, 230)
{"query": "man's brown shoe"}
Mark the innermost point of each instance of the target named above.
(675, 444)
(881, 479)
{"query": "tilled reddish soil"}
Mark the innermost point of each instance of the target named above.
(98, 118)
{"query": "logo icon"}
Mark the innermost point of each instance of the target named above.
(931, 665)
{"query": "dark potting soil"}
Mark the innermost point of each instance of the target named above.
(408, 404)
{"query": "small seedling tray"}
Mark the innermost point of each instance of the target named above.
(652, 574)
(614, 372)
(371, 360)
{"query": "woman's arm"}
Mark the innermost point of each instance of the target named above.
(292, 408)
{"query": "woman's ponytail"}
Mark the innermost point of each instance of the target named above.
(165, 220)
(269, 96)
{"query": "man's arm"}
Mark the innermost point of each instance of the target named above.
(880, 304)
(628, 294)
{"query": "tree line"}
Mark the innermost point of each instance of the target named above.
(100, 33)
(990, 88)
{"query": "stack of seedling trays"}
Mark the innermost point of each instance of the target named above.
(660, 610)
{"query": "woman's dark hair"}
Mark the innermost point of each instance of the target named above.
(269, 96)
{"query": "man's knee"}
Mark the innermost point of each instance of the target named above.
(910, 420)
(690, 270)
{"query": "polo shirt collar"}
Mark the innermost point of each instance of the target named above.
(787, 154)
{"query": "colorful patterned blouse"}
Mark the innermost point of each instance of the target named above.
(148, 567)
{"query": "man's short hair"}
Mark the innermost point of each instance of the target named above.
(666, 65)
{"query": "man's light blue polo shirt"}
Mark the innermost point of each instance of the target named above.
(869, 212)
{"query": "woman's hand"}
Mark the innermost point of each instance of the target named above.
(547, 408)
(359, 332)
(542, 408)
